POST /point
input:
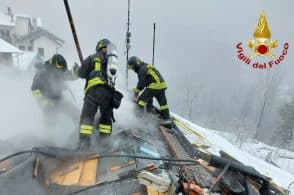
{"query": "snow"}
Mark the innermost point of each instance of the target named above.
(38, 20)
(8, 48)
(5, 20)
(217, 143)
(280, 157)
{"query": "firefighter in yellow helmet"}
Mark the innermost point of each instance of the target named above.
(152, 84)
(48, 87)
(99, 94)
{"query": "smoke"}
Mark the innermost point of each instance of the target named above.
(127, 117)
(23, 124)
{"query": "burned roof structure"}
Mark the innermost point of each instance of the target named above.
(139, 161)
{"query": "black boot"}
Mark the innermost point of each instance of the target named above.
(165, 121)
(84, 142)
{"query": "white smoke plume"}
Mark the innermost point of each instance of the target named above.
(24, 125)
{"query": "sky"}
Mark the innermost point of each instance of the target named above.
(195, 45)
(190, 34)
(192, 37)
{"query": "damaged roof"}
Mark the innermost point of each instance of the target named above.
(155, 160)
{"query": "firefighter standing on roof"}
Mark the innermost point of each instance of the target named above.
(48, 86)
(153, 84)
(99, 93)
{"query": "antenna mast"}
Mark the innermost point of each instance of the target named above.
(128, 45)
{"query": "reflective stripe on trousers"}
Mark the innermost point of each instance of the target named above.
(142, 103)
(37, 92)
(86, 129)
(164, 107)
(104, 128)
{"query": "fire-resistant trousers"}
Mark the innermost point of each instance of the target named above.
(98, 97)
(159, 94)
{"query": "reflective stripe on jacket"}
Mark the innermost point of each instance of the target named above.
(93, 69)
(150, 77)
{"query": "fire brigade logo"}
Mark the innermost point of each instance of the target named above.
(262, 46)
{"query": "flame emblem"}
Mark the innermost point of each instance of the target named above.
(262, 43)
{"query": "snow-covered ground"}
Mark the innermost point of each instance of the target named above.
(277, 156)
(217, 143)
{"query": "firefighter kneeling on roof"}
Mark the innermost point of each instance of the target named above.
(153, 84)
(100, 72)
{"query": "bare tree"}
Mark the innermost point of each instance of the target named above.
(268, 83)
(190, 99)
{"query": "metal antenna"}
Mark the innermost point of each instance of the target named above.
(73, 30)
(154, 24)
(128, 41)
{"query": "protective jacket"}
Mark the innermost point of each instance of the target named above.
(50, 83)
(154, 86)
(98, 96)
(149, 77)
(94, 70)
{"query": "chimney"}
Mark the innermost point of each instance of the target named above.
(9, 13)
(34, 23)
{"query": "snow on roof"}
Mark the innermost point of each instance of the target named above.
(193, 132)
(8, 48)
(5, 20)
(38, 19)
(39, 22)
(22, 15)
(37, 33)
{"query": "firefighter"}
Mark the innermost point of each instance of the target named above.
(48, 86)
(99, 94)
(152, 84)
